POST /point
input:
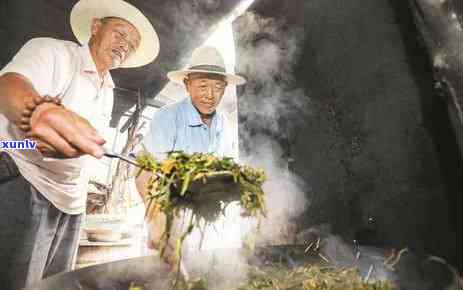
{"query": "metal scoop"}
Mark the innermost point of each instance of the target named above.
(218, 185)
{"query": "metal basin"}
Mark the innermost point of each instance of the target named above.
(150, 272)
(110, 276)
(412, 272)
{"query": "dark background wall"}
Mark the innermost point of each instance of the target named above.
(375, 145)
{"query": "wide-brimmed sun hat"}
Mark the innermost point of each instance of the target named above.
(206, 59)
(85, 10)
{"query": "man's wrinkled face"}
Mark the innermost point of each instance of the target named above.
(206, 91)
(113, 41)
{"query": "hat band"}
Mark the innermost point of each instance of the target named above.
(211, 68)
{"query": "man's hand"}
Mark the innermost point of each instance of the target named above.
(62, 133)
(156, 220)
(156, 227)
(59, 132)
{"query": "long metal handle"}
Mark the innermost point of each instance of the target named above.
(111, 154)
(122, 157)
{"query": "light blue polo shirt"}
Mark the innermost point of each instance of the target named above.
(179, 126)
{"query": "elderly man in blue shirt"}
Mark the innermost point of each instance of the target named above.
(192, 124)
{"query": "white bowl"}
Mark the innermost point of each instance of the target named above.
(104, 228)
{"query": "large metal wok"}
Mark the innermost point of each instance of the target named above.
(412, 272)
(109, 276)
(153, 274)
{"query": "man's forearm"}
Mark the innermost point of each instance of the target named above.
(60, 133)
(155, 218)
(15, 90)
(141, 183)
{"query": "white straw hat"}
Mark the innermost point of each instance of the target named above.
(206, 59)
(85, 10)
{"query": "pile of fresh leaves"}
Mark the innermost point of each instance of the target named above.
(280, 277)
(168, 189)
(310, 278)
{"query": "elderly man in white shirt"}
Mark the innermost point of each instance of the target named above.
(44, 191)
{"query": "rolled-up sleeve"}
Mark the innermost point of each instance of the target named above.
(36, 61)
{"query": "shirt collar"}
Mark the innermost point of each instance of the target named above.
(89, 67)
(194, 119)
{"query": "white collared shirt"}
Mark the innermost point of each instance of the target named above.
(65, 69)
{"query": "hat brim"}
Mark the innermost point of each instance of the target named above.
(85, 10)
(179, 75)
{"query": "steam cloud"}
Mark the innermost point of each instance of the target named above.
(272, 108)
(267, 54)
